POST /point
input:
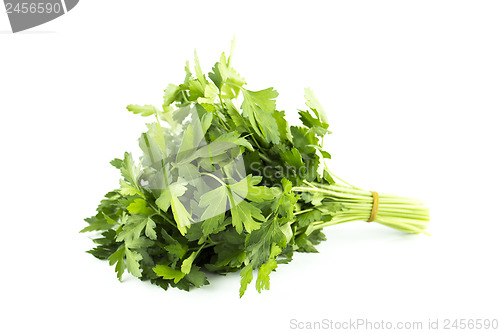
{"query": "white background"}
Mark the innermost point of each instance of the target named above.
(412, 93)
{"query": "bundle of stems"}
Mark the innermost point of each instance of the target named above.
(400, 213)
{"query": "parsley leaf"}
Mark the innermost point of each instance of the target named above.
(259, 107)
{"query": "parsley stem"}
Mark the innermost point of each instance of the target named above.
(303, 211)
(353, 204)
(256, 142)
(213, 176)
(265, 158)
(161, 214)
(186, 99)
(335, 176)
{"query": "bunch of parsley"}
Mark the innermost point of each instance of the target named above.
(225, 184)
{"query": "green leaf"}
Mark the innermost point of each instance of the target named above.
(210, 95)
(264, 99)
(156, 132)
(313, 103)
(168, 273)
(190, 173)
(133, 226)
(265, 270)
(283, 127)
(232, 82)
(247, 189)
(305, 242)
(304, 140)
(168, 116)
(231, 250)
(196, 89)
(288, 232)
(97, 223)
(181, 215)
(206, 122)
(118, 259)
(191, 140)
(186, 264)
(304, 219)
(153, 146)
(235, 117)
(197, 277)
(214, 201)
(177, 249)
(245, 214)
(171, 94)
(246, 278)
(235, 139)
(127, 189)
(140, 206)
(117, 163)
(150, 229)
(309, 121)
(259, 107)
(109, 219)
(139, 243)
(199, 73)
(169, 198)
(285, 202)
(293, 158)
(259, 241)
(143, 110)
(212, 224)
(129, 170)
(220, 146)
(132, 260)
(164, 200)
(215, 75)
(174, 245)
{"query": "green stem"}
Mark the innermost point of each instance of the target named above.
(186, 99)
(265, 158)
(405, 214)
(161, 214)
(303, 211)
(334, 176)
(214, 177)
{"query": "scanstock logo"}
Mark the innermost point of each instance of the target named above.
(26, 14)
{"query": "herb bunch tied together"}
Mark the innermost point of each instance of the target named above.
(224, 184)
